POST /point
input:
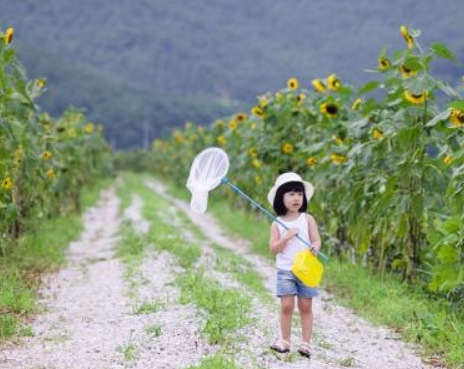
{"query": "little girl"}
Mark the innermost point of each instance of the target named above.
(289, 197)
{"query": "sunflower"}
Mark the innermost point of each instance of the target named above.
(334, 82)
(292, 84)
(263, 101)
(457, 118)
(178, 136)
(220, 124)
(19, 156)
(257, 111)
(384, 64)
(330, 110)
(232, 124)
(41, 82)
(338, 140)
(279, 97)
(7, 184)
(258, 180)
(447, 160)
(257, 163)
(50, 174)
(46, 155)
(311, 162)
(318, 85)
(416, 99)
(338, 159)
(9, 33)
(253, 125)
(356, 104)
(89, 128)
(300, 98)
(406, 72)
(287, 148)
(253, 152)
(377, 134)
(407, 37)
(241, 117)
(222, 140)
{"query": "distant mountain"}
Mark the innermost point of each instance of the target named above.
(144, 66)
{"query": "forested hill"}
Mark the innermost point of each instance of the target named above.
(143, 66)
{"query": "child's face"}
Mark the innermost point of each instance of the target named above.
(293, 200)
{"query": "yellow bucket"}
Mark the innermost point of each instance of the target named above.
(307, 268)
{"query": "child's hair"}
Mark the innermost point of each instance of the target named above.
(279, 206)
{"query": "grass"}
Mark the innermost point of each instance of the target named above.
(36, 252)
(129, 351)
(244, 271)
(420, 317)
(225, 310)
(148, 307)
(153, 330)
(216, 361)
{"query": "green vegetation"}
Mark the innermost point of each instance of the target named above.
(394, 165)
(225, 309)
(40, 250)
(218, 361)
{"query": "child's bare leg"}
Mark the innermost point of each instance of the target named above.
(287, 304)
(305, 306)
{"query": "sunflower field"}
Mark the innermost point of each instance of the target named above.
(44, 162)
(386, 159)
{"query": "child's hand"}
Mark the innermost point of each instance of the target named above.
(291, 233)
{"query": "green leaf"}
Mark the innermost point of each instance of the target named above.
(447, 254)
(442, 51)
(369, 86)
(438, 118)
(413, 63)
(457, 105)
(419, 84)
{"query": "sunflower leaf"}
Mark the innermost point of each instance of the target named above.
(439, 117)
(442, 51)
(369, 86)
(457, 105)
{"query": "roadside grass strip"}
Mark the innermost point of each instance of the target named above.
(225, 310)
(38, 251)
(217, 361)
(243, 270)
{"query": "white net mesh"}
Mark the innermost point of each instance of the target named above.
(207, 170)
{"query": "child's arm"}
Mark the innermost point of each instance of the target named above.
(277, 244)
(314, 233)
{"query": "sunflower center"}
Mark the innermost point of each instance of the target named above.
(332, 109)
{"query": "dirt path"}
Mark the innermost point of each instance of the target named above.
(84, 320)
(91, 318)
(341, 338)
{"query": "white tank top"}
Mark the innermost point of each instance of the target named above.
(285, 259)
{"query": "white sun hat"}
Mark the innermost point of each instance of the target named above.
(286, 178)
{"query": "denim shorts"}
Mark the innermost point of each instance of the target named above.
(289, 284)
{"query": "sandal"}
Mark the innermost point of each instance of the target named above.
(281, 346)
(305, 349)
